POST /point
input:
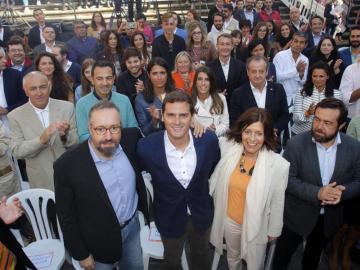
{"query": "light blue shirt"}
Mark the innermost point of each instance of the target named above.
(119, 180)
(327, 159)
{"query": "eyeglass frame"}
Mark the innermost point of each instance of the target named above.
(106, 129)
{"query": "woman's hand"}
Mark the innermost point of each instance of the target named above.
(155, 114)
(199, 129)
(10, 212)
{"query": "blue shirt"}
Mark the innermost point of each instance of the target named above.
(178, 31)
(79, 49)
(118, 178)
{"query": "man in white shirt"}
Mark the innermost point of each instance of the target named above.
(180, 166)
(350, 88)
(292, 66)
(229, 22)
(217, 29)
(41, 130)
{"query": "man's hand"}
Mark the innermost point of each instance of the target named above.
(330, 194)
(300, 67)
(88, 263)
(3, 111)
(139, 86)
(9, 213)
(61, 127)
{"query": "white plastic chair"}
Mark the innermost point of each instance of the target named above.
(34, 203)
(153, 249)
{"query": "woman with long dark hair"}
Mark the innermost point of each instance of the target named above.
(112, 50)
(210, 106)
(138, 41)
(283, 37)
(51, 68)
(148, 103)
(97, 25)
(317, 87)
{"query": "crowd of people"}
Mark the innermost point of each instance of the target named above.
(240, 121)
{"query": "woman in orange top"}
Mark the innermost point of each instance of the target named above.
(183, 75)
(248, 187)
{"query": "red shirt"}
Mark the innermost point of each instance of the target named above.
(274, 15)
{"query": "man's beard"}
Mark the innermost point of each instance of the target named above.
(107, 151)
(324, 138)
(355, 44)
(218, 27)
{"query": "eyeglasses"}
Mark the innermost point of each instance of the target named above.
(102, 130)
(196, 33)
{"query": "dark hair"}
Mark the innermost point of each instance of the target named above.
(149, 89)
(102, 23)
(256, 42)
(229, 7)
(103, 64)
(60, 86)
(256, 30)
(63, 49)
(355, 27)
(334, 55)
(315, 17)
(250, 117)
(280, 38)
(85, 83)
(301, 34)
(15, 40)
(245, 23)
(309, 85)
(275, 27)
(144, 52)
(102, 105)
(139, 16)
(178, 96)
(219, 14)
(336, 104)
(37, 9)
(194, 13)
(178, 17)
(235, 33)
(107, 53)
(131, 52)
(217, 106)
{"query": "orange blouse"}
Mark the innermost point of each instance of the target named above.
(180, 83)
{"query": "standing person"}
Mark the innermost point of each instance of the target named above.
(132, 81)
(324, 172)
(35, 33)
(248, 13)
(103, 79)
(144, 28)
(138, 41)
(231, 73)
(248, 187)
(98, 189)
(283, 37)
(351, 54)
(50, 41)
(168, 45)
(180, 166)
(230, 23)
(200, 50)
(148, 103)
(210, 106)
(177, 31)
(268, 13)
(183, 74)
(317, 87)
(218, 8)
(315, 33)
(294, 20)
(238, 52)
(97, 25)
(131, 8)
(80, 45)
(41, 130)
(217, 29)
(193, 16)
(291, 66)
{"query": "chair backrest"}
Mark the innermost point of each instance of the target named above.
(147, 180)
(35, 204)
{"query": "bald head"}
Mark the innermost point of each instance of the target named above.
(37, 88)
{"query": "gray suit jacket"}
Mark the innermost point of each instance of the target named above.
(41, 48)
(26, 130)
(302, 207)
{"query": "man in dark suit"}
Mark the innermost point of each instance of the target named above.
(180, 166)
(351, 54)
(11, 252)
(35, 33)
(11, 85)
(248, 13)
(98, 188)
(49, 35)
(260, 93)
(219, 5)
(230, 73)
(315, 33)
(324, 172)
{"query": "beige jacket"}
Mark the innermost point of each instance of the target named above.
(9, 180)
(265, 196)
(26, 130)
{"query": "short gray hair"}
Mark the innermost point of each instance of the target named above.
(31, 74)
(257, 58)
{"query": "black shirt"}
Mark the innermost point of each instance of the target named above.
(125, 84)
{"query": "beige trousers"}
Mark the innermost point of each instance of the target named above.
(255, 252)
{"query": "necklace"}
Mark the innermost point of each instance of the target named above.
(242, 168)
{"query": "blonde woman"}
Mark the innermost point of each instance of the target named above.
(183, 75)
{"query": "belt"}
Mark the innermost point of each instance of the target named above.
(124, 224)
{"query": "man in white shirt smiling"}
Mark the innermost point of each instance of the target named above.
(41, 130)
(180, 166)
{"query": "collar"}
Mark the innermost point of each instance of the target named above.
(225, 64)
(68, 65)
(99, 98)
(171, 147)
(317, 35)
(38, 110)
(98, 159)
(337, 141)
(253, 88)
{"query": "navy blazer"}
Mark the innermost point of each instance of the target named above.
(276, 104)
(171, 199)
(239, 15)
(34, 35)
(86, 215)
(308, 51)
(237, 76)
(75, 72)
(14, 93)
(302, 206)
(345, 55)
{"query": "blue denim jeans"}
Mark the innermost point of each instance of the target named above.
(131, 258)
